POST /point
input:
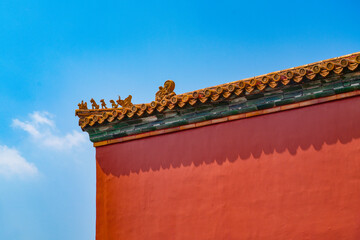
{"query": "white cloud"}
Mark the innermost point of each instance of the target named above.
(26, 126)
(41, 118)
(13, 164)
(42, 130)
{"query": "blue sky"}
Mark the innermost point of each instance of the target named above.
(55, 54)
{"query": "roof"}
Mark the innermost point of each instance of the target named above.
(166, 99)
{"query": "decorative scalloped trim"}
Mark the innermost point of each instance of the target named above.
(227, 119)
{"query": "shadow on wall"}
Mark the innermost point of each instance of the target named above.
(237, 140)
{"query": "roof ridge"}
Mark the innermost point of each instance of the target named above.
(167, 99)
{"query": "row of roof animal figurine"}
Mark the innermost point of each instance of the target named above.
(164, 92)
(123, 103)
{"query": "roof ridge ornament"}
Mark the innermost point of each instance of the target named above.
(113, 104)
(83, 105)
(126, 103)
(93, 104)
(165, 92)
(103, 104)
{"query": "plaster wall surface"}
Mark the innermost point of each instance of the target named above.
(287, 175)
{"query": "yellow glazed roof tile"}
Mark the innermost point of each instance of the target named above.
(166, 98)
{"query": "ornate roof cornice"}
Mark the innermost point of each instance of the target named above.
(166, 99)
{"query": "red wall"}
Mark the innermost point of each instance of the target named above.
(287, 175)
